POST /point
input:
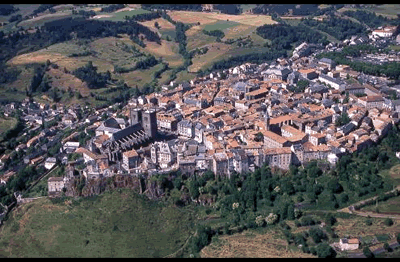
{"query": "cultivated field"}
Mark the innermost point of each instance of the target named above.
(210, 18)
(249, 244)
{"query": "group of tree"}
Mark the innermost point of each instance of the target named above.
(371, 19)
(89, 74)
(283, 36)
(183, 7)
(112, 8)
(337, 27)
(62, 30)
(42, 8)
(7, 9)
(217, 33)
(295, 9)
(144, 17)
(240, 59)
(389, 69)
(230, 9)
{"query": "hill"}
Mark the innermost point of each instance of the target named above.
(115, 224)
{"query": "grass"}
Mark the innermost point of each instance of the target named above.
(7, 123)
(220, 25)
(394, 174)
(388, 10)
(116, 224)
(120, 16)
(389, 206)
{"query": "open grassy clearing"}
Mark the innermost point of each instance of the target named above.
(116, 224)
(163, 24)
(24, 9)
(388, 10)
(251, 244)
(394, 174)
(40, 20)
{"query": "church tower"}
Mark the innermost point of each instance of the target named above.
(135, 116)
(149, 122)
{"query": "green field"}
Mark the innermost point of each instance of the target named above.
(120, 16)
(115, 224)
(220, 25)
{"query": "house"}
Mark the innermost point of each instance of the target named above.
(387, 31)
(220, 165)
(185, 128)
(278, 157)
(276, 73)
(374, 101)
(309, 74)
(130, 159)
(272, 140)
(55, 185)
(50, 162)
(349, 244)
(164, 153)
(70, 147)
(327, 62)
(68, 119)
(330, 81)
(354, 89)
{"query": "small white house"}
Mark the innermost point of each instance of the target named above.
(50, 162)
(349, 244)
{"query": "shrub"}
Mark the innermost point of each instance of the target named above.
(367, 252)
(368, 222)
(388, 222)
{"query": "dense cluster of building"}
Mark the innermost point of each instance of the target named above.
(230, 121)
(245, 117)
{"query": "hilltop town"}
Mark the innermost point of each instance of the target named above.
(235, 120)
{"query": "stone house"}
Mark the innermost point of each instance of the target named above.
(349, 244)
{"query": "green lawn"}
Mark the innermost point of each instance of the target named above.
(115, 224)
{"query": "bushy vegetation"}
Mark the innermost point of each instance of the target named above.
(217, 33)
(144, 17)
(6, 9)
(112, 8)
(370, 18)
(89, 74)
(284, 36)
(184, 7)
(389, 69)
(337, 27)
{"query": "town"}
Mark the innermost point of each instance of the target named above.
(231, 121)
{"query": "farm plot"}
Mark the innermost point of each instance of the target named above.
(251, 244)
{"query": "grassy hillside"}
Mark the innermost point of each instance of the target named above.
(116, 224)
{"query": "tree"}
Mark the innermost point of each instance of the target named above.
(317, 234)
(388, 222)
(325, 251)
(387, 247)
(367, 252)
